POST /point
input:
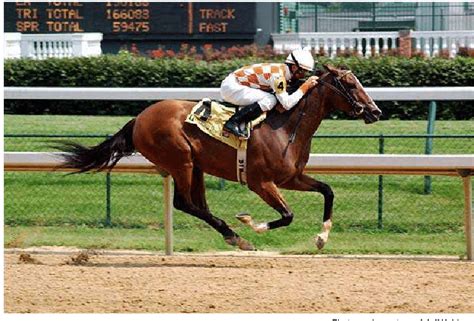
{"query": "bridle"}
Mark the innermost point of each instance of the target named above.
(357, 107)
(340, 89)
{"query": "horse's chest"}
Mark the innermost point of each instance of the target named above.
(300, 165)
(289, 167)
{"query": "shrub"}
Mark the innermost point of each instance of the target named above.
(132, 70)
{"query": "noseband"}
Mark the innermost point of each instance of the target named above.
(357, 108)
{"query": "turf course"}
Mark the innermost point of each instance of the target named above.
(51, 209)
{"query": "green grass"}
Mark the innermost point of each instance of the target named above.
(53, 199)
(54, 209)
(47, 124)
(204, 240)
(104, 125)
(56, 124)
(70, 210)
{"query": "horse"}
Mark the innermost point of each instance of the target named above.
(278, 150)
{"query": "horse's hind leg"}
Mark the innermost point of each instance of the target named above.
(189, 197)
(307, 183)
(269, 192)
(198, 190)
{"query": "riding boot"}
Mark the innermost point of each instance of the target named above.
(243, 115)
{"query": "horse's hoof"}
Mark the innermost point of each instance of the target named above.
(232, 240)
(245, 245)
(319, 242)
(260, 228)
(244, 218)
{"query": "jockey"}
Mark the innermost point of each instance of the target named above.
(261, 86)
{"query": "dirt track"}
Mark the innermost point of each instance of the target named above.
(196, 283)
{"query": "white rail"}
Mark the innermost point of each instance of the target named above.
(318, 163)
(461, 165)
(368, 44)
(434, 43)
(12, 44)
(365, 44)
(41, 46)
(88, 93)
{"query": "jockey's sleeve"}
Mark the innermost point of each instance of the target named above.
(288, 101)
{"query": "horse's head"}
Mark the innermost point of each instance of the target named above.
(349, 95)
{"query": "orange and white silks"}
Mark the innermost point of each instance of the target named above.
(262, 83)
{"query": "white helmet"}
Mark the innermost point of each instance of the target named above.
(303, 58)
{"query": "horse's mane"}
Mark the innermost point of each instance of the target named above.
(276, 118)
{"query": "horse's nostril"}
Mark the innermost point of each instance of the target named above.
(377, 113)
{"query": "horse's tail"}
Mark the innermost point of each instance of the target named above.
(99, 157)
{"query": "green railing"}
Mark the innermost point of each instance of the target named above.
(134, 200)
(374, 16)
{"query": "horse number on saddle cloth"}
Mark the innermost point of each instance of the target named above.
(211, 121)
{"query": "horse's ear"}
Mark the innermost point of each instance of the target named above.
(343, 67)
(318, 72)
(330, 68)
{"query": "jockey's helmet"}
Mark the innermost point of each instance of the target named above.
(301, 58)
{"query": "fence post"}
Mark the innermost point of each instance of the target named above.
(297, 17)
(374, 18)
(168, 215)
(380, 202)
(429, 141)
(316, 19)
(433, 10)
(221, 184)
(468, 214)
(108, 218)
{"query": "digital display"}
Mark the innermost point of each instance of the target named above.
(148, 19)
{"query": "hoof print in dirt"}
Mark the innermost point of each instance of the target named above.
(26, 258)
(80, 259)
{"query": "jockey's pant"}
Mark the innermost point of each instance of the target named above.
(237, 94)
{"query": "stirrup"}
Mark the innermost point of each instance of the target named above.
(204, 112)
(238, 133)
(245, 133)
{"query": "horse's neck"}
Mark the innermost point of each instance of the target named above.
(314, 110)
(311, 110)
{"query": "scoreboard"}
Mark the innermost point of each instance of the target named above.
(125, 21)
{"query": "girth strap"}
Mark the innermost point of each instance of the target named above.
(242, 165)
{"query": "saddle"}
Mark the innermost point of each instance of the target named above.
(210, 116)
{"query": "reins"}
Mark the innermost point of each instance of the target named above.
(300, 117)
(357, 109)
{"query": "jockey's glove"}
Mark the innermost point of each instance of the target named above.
(309, 83)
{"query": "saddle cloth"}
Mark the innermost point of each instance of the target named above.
(212, 122)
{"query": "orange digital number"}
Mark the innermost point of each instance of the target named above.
(127, 4)
(124, 14)
(124, 26)
(115, 26)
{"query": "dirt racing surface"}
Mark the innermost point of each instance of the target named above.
(78, 281)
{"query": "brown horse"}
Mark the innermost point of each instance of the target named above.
(278, 151)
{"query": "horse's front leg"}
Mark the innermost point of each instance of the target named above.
(269, 192)
(308, 184)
